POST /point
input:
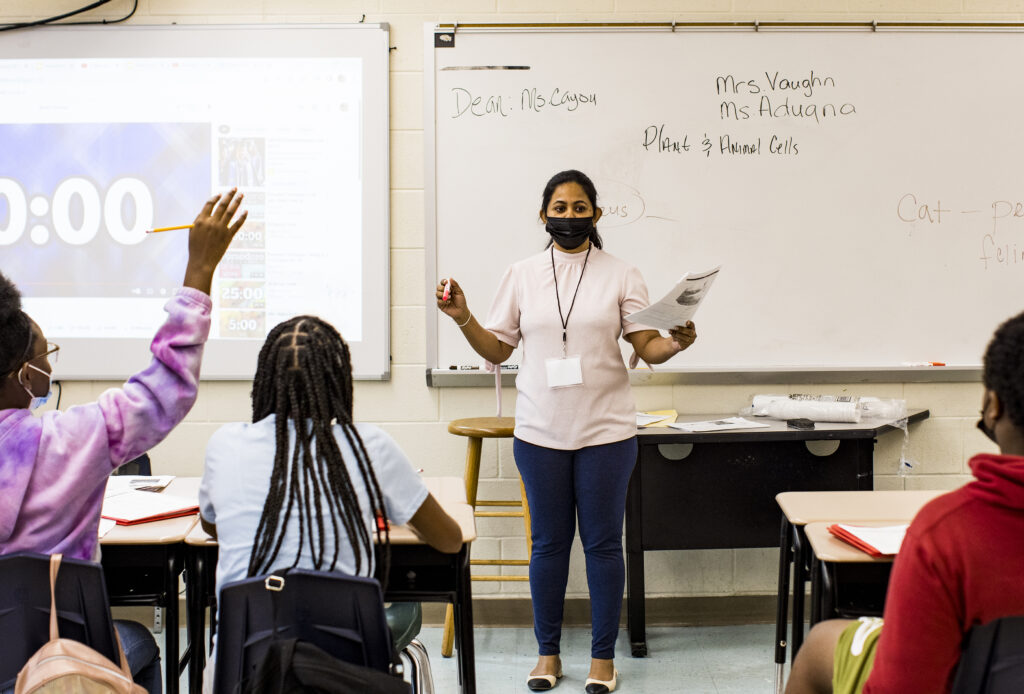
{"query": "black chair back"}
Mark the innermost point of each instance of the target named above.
(992, 661)
(136, 466)
(343, 615)
(83, 610)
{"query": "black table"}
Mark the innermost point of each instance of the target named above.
(717, 490)
(147, 575)
(845, 582)
(142, 565)
(419, 573)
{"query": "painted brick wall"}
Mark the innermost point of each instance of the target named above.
(417, 416)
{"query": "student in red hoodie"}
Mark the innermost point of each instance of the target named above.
(961, 563)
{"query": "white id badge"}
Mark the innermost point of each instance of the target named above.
(564, 371)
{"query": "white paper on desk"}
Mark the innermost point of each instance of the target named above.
(106, 525)
(132, 506)
(886, 539)
(643, 419)
(718, 425)
(680, 304)
(121, 483)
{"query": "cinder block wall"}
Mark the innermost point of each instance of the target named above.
(417, 416)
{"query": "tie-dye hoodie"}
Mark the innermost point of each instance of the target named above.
(54, 468)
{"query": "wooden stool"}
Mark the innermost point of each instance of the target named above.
(476, 429)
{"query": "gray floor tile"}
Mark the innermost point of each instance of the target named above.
(730, 659)
(717, 660)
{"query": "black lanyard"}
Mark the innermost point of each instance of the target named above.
(565, 321)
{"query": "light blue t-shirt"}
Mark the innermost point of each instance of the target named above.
(239, 462)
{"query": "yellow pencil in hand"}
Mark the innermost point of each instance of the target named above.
(156, 231)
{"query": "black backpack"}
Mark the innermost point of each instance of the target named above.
(292, 666)
(992, 661)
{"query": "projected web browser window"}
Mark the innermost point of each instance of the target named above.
(94, 152)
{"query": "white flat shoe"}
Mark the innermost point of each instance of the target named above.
(595, 686)
(540, 683)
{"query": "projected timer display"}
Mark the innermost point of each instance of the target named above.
(95, 152)
(97, 188)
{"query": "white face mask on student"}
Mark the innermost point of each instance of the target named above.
(38, 400)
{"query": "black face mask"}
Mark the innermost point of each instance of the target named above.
(570, 232)
(990, 433)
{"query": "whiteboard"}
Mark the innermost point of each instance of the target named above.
(108, 131)
(860, 189)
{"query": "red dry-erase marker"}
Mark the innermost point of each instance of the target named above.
(447, 289)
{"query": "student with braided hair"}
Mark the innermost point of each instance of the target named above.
(303, 485)
(54, 468)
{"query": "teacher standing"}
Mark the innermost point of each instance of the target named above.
(575, 434)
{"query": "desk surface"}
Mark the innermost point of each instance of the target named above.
(450, 493)
(164, 532)
(447, 488)
(829, 548)
(801, 508)
(400, 534)
(775, 431)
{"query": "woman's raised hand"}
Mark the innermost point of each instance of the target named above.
(210, 237)
(455, 305)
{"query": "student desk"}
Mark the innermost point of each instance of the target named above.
(802, 510)
(845, 582)
(716, 490)
(142, 564)
(419, 573)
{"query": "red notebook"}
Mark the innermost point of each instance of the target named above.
(132, 506)
(881, 541)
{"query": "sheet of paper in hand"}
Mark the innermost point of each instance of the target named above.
(680, 304)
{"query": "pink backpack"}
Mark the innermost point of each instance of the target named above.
(63, 666)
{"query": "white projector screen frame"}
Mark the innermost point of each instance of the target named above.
(315, 172)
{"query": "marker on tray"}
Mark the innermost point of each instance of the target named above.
(924, 363)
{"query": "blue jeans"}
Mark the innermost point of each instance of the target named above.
(561, 486)
(142, 654)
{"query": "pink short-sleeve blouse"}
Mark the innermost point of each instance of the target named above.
(525, 310)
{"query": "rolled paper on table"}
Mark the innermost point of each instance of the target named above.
(759, 402)
(813, 410)
(883, 408)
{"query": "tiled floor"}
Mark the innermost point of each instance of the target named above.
(681, 659)
(734, 659)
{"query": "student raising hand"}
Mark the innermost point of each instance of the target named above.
(54, 466)
(210, 237)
